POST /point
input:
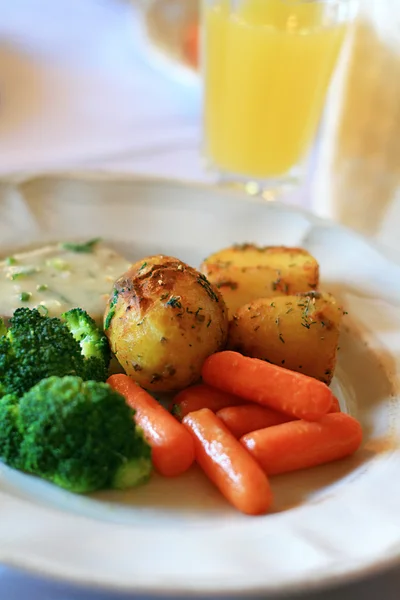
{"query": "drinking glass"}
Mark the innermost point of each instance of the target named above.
(267, 66)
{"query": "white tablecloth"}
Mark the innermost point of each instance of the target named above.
(76, 92)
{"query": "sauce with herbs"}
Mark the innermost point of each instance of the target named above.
(59, 277)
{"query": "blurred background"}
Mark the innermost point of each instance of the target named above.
(115, 85)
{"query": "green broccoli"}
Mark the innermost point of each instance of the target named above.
(10, 438)
(94, 344)
(80, 435)
(36, 346)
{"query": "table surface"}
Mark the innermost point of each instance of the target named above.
(76, 93)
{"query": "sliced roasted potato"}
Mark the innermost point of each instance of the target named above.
(297, 332)
(248, 272)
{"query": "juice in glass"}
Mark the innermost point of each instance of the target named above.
(267, 66)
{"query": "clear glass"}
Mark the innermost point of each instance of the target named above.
(267, 66)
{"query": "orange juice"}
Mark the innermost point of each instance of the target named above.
(267, 67)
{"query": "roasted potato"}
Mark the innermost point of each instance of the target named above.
(248, 272)
(163, 319)
(297, 332)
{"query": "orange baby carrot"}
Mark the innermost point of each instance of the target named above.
(172, 445)
(335, 406)
(250, 417)
(202, 396)
(229, 466)
(258, 381)
(302, 444)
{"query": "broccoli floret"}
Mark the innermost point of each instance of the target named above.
(10, 438)
(93, 343)
(80, 435)
(3, 328)
(36, 346)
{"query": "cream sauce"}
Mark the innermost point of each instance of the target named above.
(60, 279)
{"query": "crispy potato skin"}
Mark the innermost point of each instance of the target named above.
(298, 332)
(162, 320)
(248, 272)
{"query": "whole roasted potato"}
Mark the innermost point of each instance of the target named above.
(297, 332)
(246, 272)
(163, 319)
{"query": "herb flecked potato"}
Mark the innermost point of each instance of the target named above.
(297, 332)
(246, 272)
(163, 319)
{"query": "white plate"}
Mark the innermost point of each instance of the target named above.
(170, 537)
(161, 31)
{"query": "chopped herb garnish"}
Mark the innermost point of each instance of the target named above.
(42, 287)
(203, 281)
(164, 296)
(174, 302)
(256, 328)
(227, 283)
(209, 323)
(143, 266)
(137, 367)
(289, 311)
(11, 261)
(23, 273)
(111, 311)
(43, 310)
(281, 338)
(177, 411)
(84, 248)
(58, 263)
(140, 323)
(280, 285)
(273, 304)
(25, 296)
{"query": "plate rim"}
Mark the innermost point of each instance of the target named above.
(339, 577)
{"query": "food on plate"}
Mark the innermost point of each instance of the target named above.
(246, 272)
(36, 346)
(257, 381)
(172, 446)
(79, 435)
(60, 277)
(251, 396)
(202, 396)
(163, 319)
(246, 418)
(298, 332)
(302, 444)
(335, 408)
(227, 464)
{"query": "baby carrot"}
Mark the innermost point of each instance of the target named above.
(258, 381)
(202, 396)
(335, 406)
(229, 466)
(302, 444)
(250, 417)
(172, 445)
